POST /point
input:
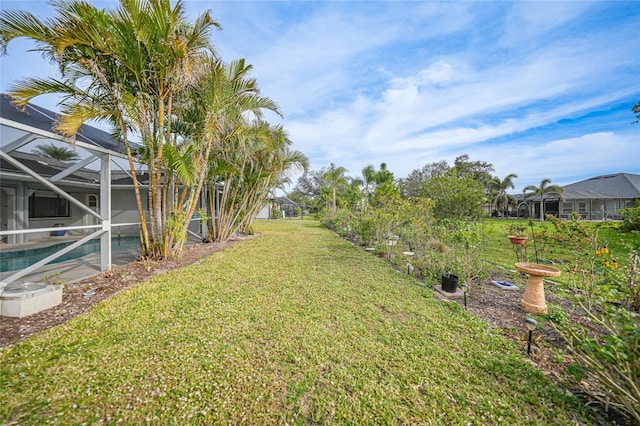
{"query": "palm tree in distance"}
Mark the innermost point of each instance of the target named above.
(54, 152)
(499, 190)
(335, 178)
(368, 179)
(545, 189)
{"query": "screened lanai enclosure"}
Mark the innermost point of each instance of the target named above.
(85, 201)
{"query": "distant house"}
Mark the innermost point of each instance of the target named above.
(283, 204)
(597, 198)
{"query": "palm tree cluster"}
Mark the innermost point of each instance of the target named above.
(330, 187)
(498, 194)
(154, 77)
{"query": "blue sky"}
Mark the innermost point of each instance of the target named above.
(540, 89)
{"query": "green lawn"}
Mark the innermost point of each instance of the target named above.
(498, 250)
(296, 326)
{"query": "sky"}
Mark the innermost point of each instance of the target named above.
(541, 89)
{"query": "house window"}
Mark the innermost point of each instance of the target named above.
(48, 205)
(567, 209)
(93, 201)
(582, 207)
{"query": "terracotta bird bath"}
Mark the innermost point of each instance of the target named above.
(533, 300)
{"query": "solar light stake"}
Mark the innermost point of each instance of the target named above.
(464, 295)
(531, 325)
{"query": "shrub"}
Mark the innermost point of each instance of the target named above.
(365, 231)
(276, 214)
(631, 218)
(342, 222)
(609, 367)
(431, 263)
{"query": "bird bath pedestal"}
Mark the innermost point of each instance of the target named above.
(533, 300)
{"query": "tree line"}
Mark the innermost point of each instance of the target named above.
(458, 191)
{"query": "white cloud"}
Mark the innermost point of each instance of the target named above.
(566, 160)
(409, 83)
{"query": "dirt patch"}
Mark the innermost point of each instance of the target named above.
(501, 308)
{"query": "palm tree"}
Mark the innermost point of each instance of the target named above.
(369, 179)
(542, 191)
(54, 152)
(214, 118)
(385, 183)
(354, 196)
(335, 178)
(499, 190)
(124, 67)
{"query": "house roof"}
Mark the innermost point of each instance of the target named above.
(619, 185)
(284, 200)
(43, 119)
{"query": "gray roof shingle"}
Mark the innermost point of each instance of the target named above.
(619, 185)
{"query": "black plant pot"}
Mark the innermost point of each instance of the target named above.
(449, 283)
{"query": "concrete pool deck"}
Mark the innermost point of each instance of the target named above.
(71, 270)
(76, 269)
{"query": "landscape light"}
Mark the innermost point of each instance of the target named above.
(531, 325)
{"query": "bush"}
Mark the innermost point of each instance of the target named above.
(431, 263)
(365, 231)
(342, 222)
(631, 218)
(276, 214)
(611, 363)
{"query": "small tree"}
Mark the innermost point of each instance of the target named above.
(499, 190)
(545, 189)
(455, 197)
(336, 179)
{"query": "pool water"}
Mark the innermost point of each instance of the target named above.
(19, 259)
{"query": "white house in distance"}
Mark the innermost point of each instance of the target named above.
(596, 198)
(283, 204)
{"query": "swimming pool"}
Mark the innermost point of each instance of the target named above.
(19, 259)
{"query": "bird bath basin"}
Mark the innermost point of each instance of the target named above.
(533, 300)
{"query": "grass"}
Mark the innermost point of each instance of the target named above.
(499, 251)
(297, 326)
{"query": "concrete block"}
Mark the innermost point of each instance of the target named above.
(16, 303)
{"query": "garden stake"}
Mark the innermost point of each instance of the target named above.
(533, 235)
(464, 295)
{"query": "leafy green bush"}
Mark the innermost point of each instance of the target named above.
(555, 314)
(343, 222)
(431, 263)
(365, 231)
(631, 218)
(276, 214)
